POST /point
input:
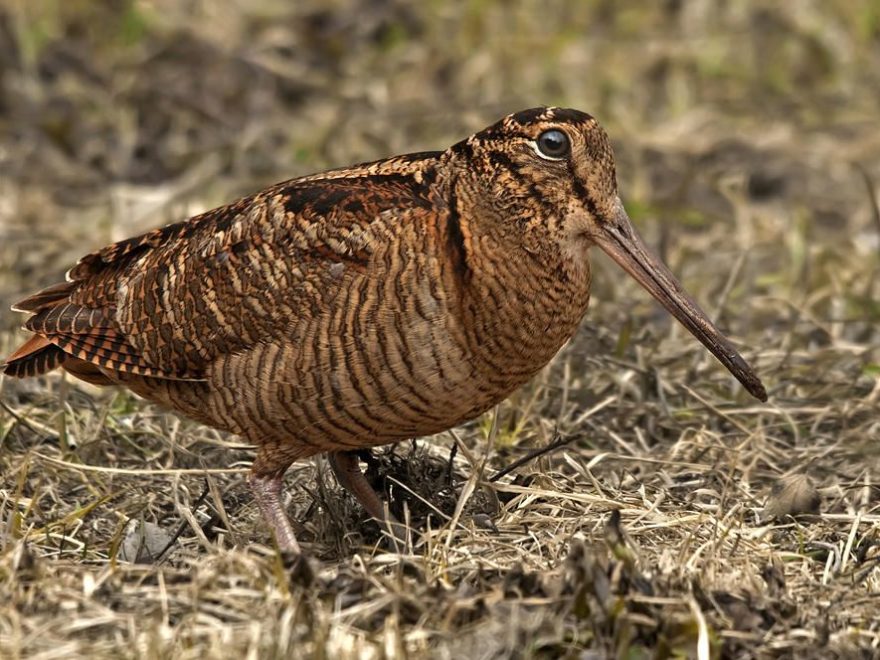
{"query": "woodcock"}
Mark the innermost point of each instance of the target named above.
(364, 305)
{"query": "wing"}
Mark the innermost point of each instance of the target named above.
(167, 303)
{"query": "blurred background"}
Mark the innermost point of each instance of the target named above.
(747, 135)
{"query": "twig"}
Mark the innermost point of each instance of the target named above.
(557, 442)
(449, 468)
(183, 525)
(50, 435)
(84, 467)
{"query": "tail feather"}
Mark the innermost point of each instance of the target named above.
(46, 298)
(84, 340)
(80, 333)
(35, 357)
(38, 356)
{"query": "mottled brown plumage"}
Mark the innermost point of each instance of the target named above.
(360, 306)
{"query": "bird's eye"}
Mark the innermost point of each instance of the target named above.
(553, 144)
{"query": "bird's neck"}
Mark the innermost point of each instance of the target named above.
(522, 296)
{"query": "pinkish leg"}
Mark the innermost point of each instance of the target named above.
(267, 492)
(348, 473)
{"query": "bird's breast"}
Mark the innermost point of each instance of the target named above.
(519, 317)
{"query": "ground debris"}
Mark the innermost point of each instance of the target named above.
(792, 495)
(144, 542)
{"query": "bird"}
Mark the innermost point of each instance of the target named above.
(361, 306)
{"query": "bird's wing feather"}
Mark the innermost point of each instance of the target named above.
(169, 302)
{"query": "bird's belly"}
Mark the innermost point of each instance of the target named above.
(399, 379)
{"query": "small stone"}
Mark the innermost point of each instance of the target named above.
(483, 521)
(793, 495)
(144, 542)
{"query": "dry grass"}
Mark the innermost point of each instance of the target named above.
(746, 136)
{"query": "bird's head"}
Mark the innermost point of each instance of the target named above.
(551, 172)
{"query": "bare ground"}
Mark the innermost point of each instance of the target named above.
(659, 524)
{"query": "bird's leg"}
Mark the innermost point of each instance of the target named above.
(348, 473)
(267, 492)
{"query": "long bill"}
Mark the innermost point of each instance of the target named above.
(618, 238)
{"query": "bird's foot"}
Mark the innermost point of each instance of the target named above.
(348, 473)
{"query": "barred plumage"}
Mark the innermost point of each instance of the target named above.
(360, 306)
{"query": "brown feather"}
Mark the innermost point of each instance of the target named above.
(33, 358)
(31, 346)
(38, 356)
(46, 297)
(86, 371)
